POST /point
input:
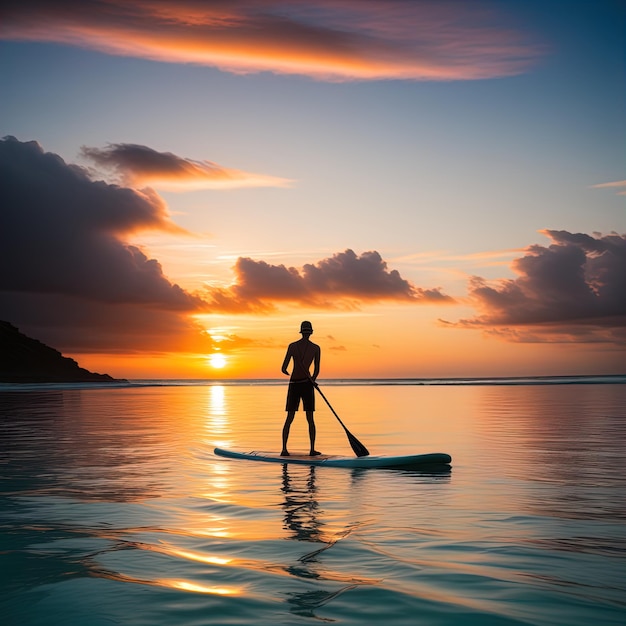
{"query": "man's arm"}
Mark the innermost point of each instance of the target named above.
(316, 364)
(284, 369)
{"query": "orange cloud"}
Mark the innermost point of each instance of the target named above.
(326, 39)
(139, 166)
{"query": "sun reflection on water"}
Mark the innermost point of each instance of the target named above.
(217, 403)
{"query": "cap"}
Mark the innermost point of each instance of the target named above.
(306, 327)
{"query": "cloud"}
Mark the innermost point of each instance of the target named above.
(79, 325)
(63, 254)
(140, 166)
(572, 290)
(618, 184)
(62, 233)
(325, 39)
(69, 277)
(344, 280)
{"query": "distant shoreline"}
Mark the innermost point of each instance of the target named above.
(610, 379)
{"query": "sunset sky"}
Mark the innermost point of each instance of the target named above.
(438, 186)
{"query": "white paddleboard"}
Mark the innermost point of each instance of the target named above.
(330, 460)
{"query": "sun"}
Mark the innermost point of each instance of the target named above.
(217, 360)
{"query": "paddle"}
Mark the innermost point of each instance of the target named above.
(356, 445)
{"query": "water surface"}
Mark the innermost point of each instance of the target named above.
(114, 510)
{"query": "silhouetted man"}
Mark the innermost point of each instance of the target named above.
(301, 383)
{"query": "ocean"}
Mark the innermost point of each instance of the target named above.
(115, 510)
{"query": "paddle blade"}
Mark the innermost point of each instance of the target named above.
(358, 448)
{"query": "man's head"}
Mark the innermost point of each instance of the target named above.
(306, 328)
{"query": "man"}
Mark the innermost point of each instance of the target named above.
(301, 383)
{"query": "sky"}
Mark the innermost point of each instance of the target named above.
(438, 186)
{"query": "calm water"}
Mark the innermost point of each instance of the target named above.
(114, 510)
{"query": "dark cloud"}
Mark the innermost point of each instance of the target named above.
(79, 325)
(137, 160)
(572, 290)
(344, 280)
(137, 166)
(62, 248)
(62, 233)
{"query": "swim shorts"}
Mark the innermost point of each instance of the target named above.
(300, 389)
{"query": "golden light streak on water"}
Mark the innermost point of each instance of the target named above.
(202, 558)
(186, 585)
(223, 533)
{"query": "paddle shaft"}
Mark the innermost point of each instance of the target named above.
(328, 403)
(357, 447)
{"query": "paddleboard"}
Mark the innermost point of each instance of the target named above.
(330, 460)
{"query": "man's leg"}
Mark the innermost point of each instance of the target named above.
(286, 428)
(311, 421)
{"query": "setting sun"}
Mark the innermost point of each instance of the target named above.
(217, 360)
